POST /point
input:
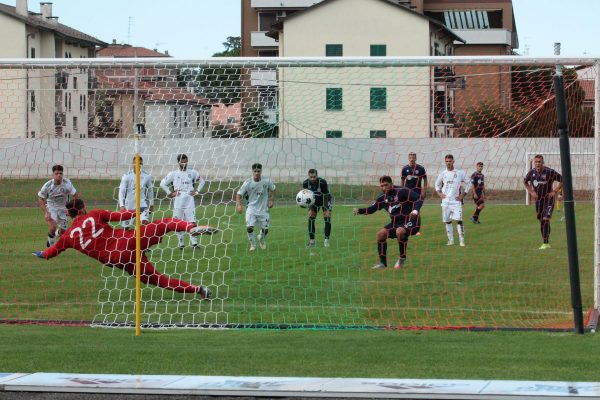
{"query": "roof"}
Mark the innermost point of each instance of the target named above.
(276, 28)
(166, 92)
(128, 51)
(59, 29)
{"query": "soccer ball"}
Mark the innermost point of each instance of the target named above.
(305, 198)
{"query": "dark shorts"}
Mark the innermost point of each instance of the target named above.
(479, 200)
(412, 226)
(544, 207)
(319, 205)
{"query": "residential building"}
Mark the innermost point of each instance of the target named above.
(49, 101)
(486, 27)
(159, 98)
(389, 102)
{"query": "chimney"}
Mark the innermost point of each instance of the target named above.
(46, 10)
(22, 8)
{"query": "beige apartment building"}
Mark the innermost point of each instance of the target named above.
(353, 102)
(480, 27)
(43, 102)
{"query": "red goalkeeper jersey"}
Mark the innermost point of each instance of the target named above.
(92, 235)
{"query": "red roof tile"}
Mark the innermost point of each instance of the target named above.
(127, 51)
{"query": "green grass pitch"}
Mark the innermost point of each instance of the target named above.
(500, 280)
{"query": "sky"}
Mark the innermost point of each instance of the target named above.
(195, 29)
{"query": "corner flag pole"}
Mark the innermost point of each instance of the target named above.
(569, 205)
(138, 242)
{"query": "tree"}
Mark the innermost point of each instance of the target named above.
(532, 112)
(233, 47)
(217, 84)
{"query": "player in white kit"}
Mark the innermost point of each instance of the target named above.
(259, 193)
(127, 195)
(452, 185)
(183, 183)
(53, 196)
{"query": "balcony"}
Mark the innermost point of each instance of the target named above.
(263, 78)
(486, 36)
(274, 4)
(259, 39)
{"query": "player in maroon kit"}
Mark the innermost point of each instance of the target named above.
(539, 182)
(479, 195)
(92, 235)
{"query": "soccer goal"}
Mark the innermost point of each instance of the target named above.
(348, 120)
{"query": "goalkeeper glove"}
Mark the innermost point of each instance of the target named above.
(38, 254)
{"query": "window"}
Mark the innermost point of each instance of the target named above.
(74, 82)
(75, 124)
(333, 134)
(334, 50)
(175, 118)
(185, 118)
(231, 120)
(33, 52)
(198, 118)
(32, 101)
(68, 95)
(378, 50)
(266, 20)
(268, 53)
(267, 97)
(30, 135)
(82, 102)
(378, 98)
(333, 98)
(378, 134)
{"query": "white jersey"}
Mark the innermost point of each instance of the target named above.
(182, 182)
(257, 194)
(127, 190)
(56, 195)
(450, 183)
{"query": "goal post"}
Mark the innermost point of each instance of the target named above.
(353, 120)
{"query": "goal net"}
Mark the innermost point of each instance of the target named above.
(351, 120)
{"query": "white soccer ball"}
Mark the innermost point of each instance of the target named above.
(305, 198)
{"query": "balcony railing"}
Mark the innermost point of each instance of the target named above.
(486, 36)
(259, 39)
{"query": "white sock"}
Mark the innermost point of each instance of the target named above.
(461, 232)
(180, 236)
(193, 240)
(450, 232)
(252, 238)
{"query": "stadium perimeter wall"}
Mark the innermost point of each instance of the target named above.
(341, 161)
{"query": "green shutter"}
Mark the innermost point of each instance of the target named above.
(378, 98)
(334, 50)
(378, 134)
(378, 50)
(333, 98)
(333, 134)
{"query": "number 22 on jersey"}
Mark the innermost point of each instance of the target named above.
(79, 231)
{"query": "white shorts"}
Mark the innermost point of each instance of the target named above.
(187, 214)
(144, 217)
(59, 215)
(452, 212)
(261, 220)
